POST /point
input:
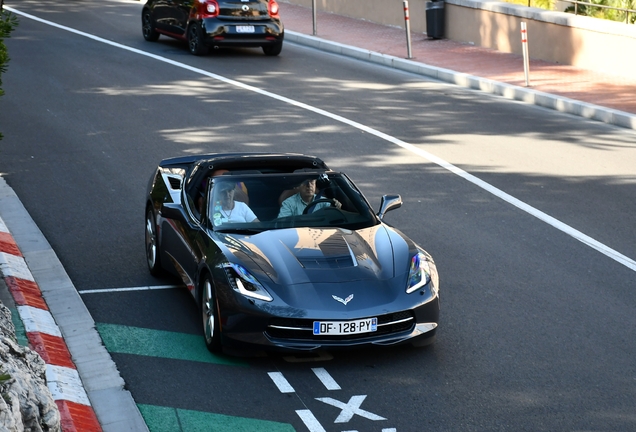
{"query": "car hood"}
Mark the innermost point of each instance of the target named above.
(306, 267)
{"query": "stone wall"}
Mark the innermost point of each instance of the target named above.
(26, 404)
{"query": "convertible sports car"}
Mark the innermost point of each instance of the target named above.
(215, 23)
(269, 271)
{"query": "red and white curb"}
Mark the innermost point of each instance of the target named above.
(45, 338)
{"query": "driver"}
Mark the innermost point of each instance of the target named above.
(296, 204)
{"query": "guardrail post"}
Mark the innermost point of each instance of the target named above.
(407, 25)
(524, 45)
(313, 15)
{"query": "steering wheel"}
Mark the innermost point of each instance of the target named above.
(318, 201)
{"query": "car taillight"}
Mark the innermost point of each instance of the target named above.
(210, 8)
(273, 9)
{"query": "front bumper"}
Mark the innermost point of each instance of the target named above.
(289, 334)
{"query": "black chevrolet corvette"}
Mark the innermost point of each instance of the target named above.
(282, 253)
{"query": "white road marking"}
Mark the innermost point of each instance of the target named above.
(326, 379)
(144, 288)
(350, 409)
(281, 382)
(310, 421)
(594, 244)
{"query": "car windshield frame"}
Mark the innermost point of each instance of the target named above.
(261, 193)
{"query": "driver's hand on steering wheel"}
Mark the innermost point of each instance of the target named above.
(337, 204)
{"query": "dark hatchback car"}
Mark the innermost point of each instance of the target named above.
(206, 24)
(271, 272)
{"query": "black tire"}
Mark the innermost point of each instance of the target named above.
(210, 317)
(148, 26)
(273, 50)
(195, 40)
(152, 245)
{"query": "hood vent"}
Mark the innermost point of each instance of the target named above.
(334, 253)
(327, 262)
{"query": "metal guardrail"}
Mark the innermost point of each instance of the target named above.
(578, 2)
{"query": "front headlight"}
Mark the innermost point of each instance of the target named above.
(243, 282)
(419, 272)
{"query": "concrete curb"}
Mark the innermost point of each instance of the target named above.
(81, 375)
(508, 91)
(76, 412)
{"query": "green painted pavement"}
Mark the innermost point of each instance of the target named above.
(20, 331)
(159, 343)
(165, 419)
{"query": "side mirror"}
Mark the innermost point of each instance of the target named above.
(388, 203)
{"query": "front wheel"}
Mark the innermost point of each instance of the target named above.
(195, 40)
(209, 313)
(148, 26)
(273, 50)
(152, 245)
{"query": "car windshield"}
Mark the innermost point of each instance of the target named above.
(258, 202)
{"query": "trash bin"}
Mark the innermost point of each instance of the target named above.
(435, 19)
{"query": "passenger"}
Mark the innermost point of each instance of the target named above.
(226, 209)
(241, 189)
(240, 194)
(296, 204)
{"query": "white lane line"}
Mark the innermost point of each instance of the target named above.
(281, 382)
(594, 244)
(326, 379)
(143, 288)
(310, 421)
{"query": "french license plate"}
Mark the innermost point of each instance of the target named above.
(367, 325)
(244, 29)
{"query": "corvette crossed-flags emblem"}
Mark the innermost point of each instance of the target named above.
(341, 300)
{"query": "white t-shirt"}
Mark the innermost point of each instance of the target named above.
(240, 213)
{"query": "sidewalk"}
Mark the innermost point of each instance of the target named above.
(604, 97)
(83, 379)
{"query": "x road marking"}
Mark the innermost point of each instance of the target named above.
(350, 408)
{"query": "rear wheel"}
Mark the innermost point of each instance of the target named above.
(195, 40)
(152, 249)
(273, 50)
(148, 26)
(209, 313)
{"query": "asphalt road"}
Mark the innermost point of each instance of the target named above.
(537, 327)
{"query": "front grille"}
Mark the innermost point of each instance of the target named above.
(302, 329)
